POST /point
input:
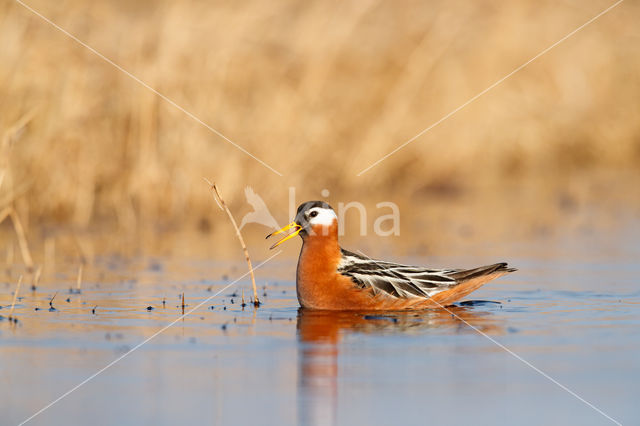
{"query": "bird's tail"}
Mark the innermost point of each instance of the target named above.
(468, 281)
(468, 274)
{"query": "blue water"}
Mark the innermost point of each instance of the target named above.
(572, 313)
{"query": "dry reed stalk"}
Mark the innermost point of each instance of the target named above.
(79, 278)
(10, 254)
(183, 303)
(36, 278)
(15, 296)
(416, 48)
(4, 213)
(82, 251)
(223, 206)
(14, 193)
(22, 240)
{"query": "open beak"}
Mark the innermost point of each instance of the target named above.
(296, 230)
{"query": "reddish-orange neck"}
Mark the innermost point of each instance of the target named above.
(317, 265)
(323, 241)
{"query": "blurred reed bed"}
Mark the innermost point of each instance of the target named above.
(317, 90)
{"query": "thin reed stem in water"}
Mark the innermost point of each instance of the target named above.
(223, 206)
(79, 278)
(22, 239)
(15, 297)
(36, 278)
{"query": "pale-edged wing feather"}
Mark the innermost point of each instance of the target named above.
(403, 281)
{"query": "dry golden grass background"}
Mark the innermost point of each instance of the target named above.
(319, 91)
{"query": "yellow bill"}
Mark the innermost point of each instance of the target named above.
(296, 230)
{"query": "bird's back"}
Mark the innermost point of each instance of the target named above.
(396, 286)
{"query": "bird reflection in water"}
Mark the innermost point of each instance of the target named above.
(319, 334)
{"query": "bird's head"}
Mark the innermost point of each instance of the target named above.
(313, 218)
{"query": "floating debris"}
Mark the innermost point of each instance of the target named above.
(149, 308)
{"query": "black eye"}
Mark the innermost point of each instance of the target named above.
(313, 213)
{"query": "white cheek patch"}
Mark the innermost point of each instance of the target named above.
(325, 217)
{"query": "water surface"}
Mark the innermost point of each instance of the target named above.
(572, 311)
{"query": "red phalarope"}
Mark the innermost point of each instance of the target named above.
(330, 277)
